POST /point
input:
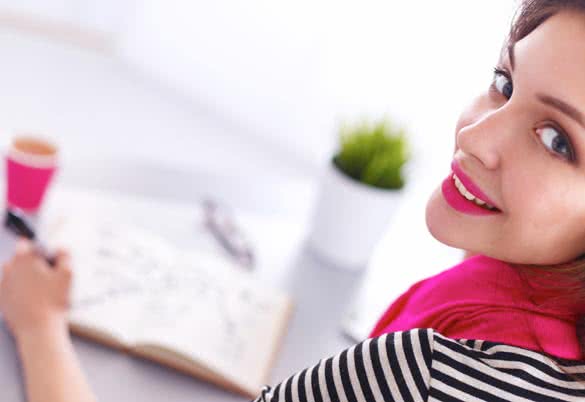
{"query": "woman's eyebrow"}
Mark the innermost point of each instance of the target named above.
(558, 104)
(563, 107)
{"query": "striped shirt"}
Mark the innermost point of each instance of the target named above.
(424, 365)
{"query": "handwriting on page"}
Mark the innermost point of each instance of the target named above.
(196, 298)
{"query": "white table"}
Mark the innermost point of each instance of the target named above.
(320, 293)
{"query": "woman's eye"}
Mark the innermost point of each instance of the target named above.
(556, 141)
(502, 83)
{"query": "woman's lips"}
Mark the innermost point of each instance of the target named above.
(470, 185)
(458, 202)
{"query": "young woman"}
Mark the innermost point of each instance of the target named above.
(503, 325)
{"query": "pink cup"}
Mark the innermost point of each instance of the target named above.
(30, 165)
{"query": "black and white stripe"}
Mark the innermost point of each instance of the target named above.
(424, 365)
(391, 367)
(490, 371)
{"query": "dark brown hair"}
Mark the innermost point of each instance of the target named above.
(569, 285)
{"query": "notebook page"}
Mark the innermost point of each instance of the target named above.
(217, 314)
(136, 285)
(112, 263)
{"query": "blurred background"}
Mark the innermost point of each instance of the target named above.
(242, 100)
(254, 89)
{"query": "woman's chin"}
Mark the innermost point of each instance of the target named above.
(439, 219)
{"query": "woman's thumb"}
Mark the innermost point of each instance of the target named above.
(63, 261)
(23, 246)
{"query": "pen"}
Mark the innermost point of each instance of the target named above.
(16, 223)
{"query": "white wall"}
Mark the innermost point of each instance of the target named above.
(106, 16)
(289, 71)
(286, 72)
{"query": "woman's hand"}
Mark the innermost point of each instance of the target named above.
(34, 297)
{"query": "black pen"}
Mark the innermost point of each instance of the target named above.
(16, 223)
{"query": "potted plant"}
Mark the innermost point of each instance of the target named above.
(359, 192)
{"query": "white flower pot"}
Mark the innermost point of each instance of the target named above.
(349, 218)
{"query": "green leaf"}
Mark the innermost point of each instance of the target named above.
(373, 153)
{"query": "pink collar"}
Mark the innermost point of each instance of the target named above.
(485, 298)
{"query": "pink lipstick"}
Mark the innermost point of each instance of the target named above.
(457, 201)
(470, 185)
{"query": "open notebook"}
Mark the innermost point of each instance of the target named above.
(190, 310)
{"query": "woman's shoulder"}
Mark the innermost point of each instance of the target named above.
(423, 364)
(489, 369)
(479, 348)
(490, 352)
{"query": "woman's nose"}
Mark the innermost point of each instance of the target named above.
(484, 138)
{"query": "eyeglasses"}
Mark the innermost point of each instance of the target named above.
(223, 227)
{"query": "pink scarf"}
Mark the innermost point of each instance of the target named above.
(484, 298)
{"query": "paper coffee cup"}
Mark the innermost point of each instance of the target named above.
(30, 165)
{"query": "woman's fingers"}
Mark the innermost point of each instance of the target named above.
(63, 266)
(63, 261)
(23, 247)
(62, 255)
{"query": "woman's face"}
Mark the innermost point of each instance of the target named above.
(525, 152)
